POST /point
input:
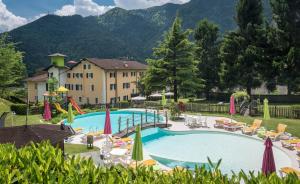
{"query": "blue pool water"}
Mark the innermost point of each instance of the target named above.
(191, 148)
(95, 121)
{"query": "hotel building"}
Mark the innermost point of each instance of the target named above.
(90, 81)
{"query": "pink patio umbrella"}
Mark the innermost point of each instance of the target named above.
(268, 165)
(107, 126)
(231, 107)
(47, 111)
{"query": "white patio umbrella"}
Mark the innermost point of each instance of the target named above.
(138, 98)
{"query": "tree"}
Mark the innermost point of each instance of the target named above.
(241, 50)
(206, 35)
(12, 69)
(286, 41)
(173, 64)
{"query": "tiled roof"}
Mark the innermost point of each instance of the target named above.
(112, 64)
(22, 135)
(38, 78)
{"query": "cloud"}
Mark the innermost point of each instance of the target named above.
(66, 10)
(84, 8)
(8, 20)
(142, 4)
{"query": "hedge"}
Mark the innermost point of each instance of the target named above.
(19, 109)
(42, 163)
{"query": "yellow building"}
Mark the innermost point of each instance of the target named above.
(91, 80)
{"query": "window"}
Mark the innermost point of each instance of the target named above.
(79, 99)
(125, 98)
(51, 74)
(89, 75)
(141, 73)
(92, 87)
(113, 87)
(112, 75)
(72, 87)
(73, 75)
(35, 85)
(84, 66)
(132, 74)
(126, 85)
(96, 100)
(125, 74)
(81, 75)
(77, 75)
(113, 100)
(89, 66)
(78, 87)
(69, 75)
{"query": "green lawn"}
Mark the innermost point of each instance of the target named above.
(78, 148)
(293, 125)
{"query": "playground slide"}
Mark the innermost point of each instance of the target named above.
(75, 105)
(58, 107)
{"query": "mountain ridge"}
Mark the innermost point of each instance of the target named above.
(117, 33)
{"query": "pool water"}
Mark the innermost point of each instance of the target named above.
(95, 121)
(191, 148)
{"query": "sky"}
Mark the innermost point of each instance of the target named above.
(15, 13)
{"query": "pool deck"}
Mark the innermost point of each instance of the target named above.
(179, 126)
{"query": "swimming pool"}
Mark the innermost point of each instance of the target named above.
(95, 121)
(190, 148)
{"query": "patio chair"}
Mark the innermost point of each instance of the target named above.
(253, 128)
(219, 123)
(275, 135)
(290, 144)
(288, 170)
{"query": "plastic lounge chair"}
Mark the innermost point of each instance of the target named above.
(290, 144)
(253, 128)
(288, 170)
(274, 135)
(219, 123)
(149, 162)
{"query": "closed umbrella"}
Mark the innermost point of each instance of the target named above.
(232, 107)
(137, 152)
(266, 109)
(47, 111)
(163, 99)
(268, 165)
(107, 126)
(70, 114)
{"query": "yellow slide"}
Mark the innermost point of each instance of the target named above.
(58, 107)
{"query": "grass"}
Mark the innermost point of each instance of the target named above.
(293, 125)
(78, 148)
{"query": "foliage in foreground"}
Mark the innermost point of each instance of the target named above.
(43, 163)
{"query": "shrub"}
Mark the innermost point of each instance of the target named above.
(19, 109)
(37, 109)
(42, 163)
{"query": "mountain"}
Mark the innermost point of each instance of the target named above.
(117, 33)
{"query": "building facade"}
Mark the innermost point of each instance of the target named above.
(91, 80)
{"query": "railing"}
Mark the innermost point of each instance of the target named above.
(145, 119)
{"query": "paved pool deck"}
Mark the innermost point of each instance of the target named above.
(180, 126)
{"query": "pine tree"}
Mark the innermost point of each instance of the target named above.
(173, 64)
(12, 69)
(286, 41)
(206, 35)
(242, 65)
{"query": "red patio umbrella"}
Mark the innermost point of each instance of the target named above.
(232, 107)
(47, 111)
(268, 165)
(107, 126)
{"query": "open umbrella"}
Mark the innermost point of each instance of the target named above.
(47, 111)
(232, 107)
(268, 165)
(266, 109)
(137, 152)
(107, 126)
(70, 114)
(163, 99)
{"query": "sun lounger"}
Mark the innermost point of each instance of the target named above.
(274, 135)
(149, 162)
(220, 123)
(289, 170)
(253, 128)
(290, 144)
(78, 130)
